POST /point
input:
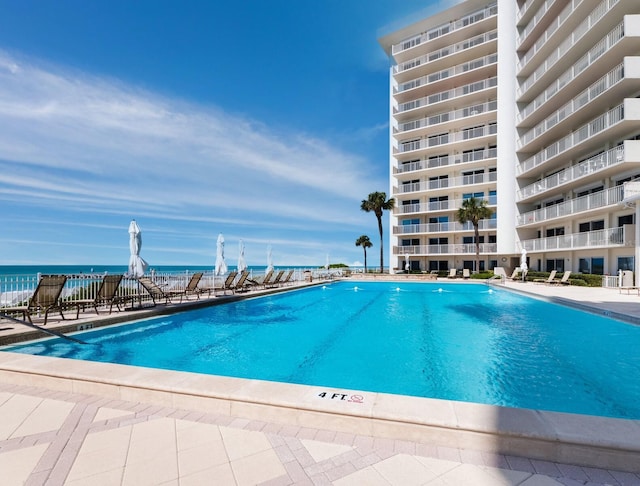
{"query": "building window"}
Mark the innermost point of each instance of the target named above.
(555, 232)
(622, 220)
(555, 264)
(591, 226)
(626, 263)
(438, 265)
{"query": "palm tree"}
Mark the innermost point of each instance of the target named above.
(377, 202)
(365, 243)
(473, 210)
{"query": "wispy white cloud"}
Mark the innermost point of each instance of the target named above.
(76, 146)
(98, 140)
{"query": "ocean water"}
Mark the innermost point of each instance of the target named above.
(28, 270)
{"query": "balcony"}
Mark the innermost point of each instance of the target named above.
(607, 238)
(611, 39)
(609, 126)
(444, 29)
(456, 137)
(446, 160)
(576, 173)
(451, 182)
(550, 7)
(452, 249)
(573, 207)
(478, 88)
(435, 206)
(448, 227)
(479, 68)
(429, 62)
(419, 127)
(568, 113)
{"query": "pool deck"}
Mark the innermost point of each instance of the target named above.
(75, 422)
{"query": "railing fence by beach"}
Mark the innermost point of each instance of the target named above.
(16, 289)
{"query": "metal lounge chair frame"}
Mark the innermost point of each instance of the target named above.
(45, 298)
(157, 293)
(105, 295)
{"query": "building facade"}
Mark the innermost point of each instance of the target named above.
(530, 105)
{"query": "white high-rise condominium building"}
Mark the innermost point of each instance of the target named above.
(533, 106)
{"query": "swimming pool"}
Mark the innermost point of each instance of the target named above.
(464, 342)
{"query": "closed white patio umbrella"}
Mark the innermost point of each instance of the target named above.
(242, 264)
(137, 266)
(269, 259)
(221, 265)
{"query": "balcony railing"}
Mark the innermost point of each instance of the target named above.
(612, 237)
(445, 160)
(594, 164)
(605, 83)
(452, 137)
(447, 117)
(535, 20)
(449, 204)
(572, 207)
(448, 227)
(448, 95)
(448, 73)
(446, 183)
(444, 29)
(439, 54)
(597, 51)
(595, 126)
(452, 249)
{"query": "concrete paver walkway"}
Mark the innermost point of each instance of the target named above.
(49, 437)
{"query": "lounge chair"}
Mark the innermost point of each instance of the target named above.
(465, 273)
(105, 295)
(275, 281)
(228, 282)
(552, 276)
(192, 286)
(514, 275)
(287, 279)
(241, 284)
(452, 273)
(45, 298)
(157, 293)
(264, 282)
(564, 280)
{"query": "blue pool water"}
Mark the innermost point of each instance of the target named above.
(462, 342)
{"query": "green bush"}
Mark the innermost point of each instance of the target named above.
(577, 279)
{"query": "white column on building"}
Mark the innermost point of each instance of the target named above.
(506, 200)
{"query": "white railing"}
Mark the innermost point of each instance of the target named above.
(449, 204)
(446, 28)
(447, 117)
(588, 130)
(445, 160)
(605, 83)
(451, 137)
(594, 53)
(535, 20)
(590, 166)
(483, 225)
(611, 281)
(446, 183)
(16, 289)
(611, 237)
(448, 95)
(615, 36)
(448, 73)
(439, 54)
(457, 249)
(589, 202)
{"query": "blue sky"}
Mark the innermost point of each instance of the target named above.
(266, 121)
